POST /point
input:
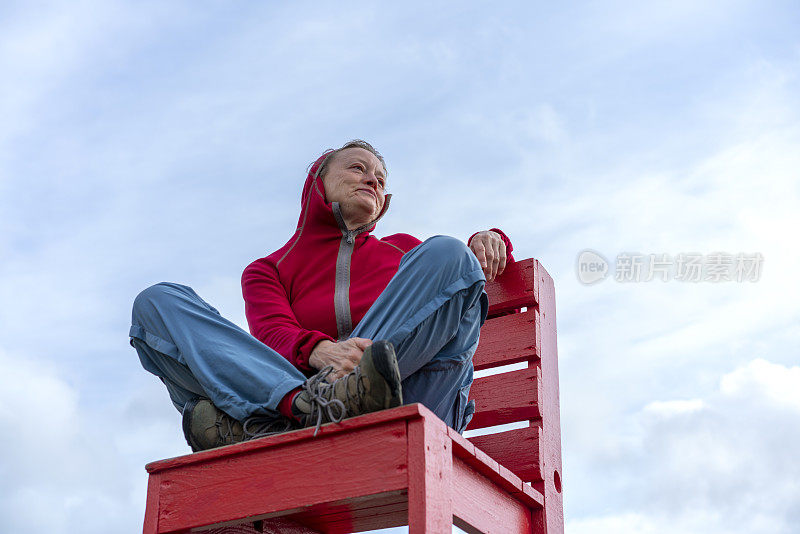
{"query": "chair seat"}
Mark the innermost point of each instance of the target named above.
(378, 470)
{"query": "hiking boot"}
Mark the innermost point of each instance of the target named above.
(373, 385)
(207, 427)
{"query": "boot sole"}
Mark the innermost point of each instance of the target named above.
(187, 423)
(385, 361)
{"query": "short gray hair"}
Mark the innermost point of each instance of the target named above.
(355, 143)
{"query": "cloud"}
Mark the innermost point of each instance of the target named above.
(675, 407)
(68, 467)
(618, 524)
(765, 380)
(723, 463)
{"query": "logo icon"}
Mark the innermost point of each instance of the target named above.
(591, 267)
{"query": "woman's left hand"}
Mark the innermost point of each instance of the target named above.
(490, 250)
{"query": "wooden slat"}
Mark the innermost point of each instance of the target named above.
(151, 507)
(517, 450)
(507, 339)
(370, 519)
(306, 473)
(515, 288)
(479, 503)
(354, 515)
(488, 467)
(430, 465)
(551, 420)
(361, 422)
(506, 397)
(270, 526)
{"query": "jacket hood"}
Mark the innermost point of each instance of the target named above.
(315, 210)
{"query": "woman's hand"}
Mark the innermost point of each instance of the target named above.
(342, 355)
(490, 250)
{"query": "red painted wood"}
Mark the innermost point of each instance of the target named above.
(359, 513)
(511, 477)
(239, 529)
(151, 506)
(269, 526)
(493, 471)
(309, 472)
(430, 464)
(400, 413)
(479, 505)
(507, 339)
(461, 445)
(551, 419)
(366, 513)
(373, 519)
(352, 515)
(506, 397)
(491, 467)
(517, 450)
(514, 289)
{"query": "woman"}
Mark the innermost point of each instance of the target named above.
(314, 308)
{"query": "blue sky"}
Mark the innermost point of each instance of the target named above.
(150, 141)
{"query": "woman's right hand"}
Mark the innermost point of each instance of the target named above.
(344, 356)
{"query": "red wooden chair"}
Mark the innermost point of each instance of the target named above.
(399, 466)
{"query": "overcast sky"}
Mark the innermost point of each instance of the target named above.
(168, 141)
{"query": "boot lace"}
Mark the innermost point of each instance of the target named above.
(324, 406)
(259, 426)
(224, 424)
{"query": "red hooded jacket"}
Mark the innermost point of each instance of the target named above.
(321, 283)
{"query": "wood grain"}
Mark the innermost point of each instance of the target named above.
(151, 507)
(515, 288)
(430, 466)
(356, 514)
(506, 397)
(481, 506)
(284, 478)
(517, 450)
(507, 339)
(551, 420)
(361, 422)
(498, 474)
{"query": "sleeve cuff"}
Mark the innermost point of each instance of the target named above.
(304, 350)
(503, 236)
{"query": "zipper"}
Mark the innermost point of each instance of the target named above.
(341, 291)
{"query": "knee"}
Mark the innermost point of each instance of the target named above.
(446, 250)
(154, 297)
(447, 245)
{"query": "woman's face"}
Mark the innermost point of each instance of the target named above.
(355, 178)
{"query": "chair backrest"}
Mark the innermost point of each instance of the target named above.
(528, 395)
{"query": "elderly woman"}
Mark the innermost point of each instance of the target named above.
(342, 323)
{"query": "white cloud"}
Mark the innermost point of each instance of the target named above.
(618, 524)
(675, 407)
(725, 463)
(768, 381)
(657, 440)
(68, 467)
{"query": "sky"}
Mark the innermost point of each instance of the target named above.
(168, 141)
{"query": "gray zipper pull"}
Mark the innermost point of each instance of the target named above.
(350, 238)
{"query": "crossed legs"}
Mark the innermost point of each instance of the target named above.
(431, 311)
